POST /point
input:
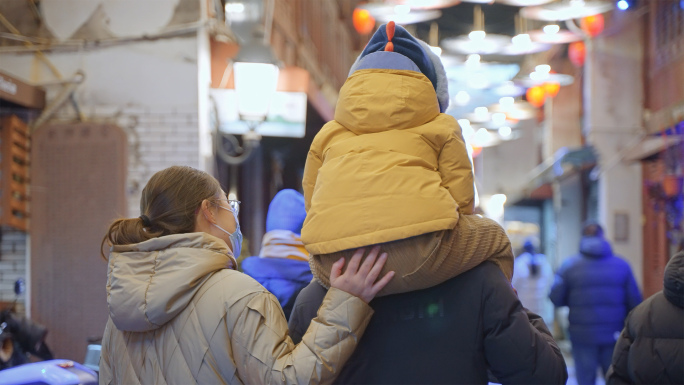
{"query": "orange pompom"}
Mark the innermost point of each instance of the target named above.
(389, 47)
(390, 30)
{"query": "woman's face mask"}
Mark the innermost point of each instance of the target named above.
(236, 236)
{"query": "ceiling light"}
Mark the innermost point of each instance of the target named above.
(551, 29)
(505, 131)
(506, 102)
(481, 113)
(563, 10)
(235, 7)
(477, 35)
(499, 118)
(462, 98)
(543, 68)
(522, 40)
(473, 60)
(402, 9)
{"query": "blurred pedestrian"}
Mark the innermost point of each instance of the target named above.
(282, 265)
(599, 289)
(180, 313)
(650, 349)
(532, 279)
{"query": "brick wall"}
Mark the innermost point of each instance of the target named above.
(158, 137)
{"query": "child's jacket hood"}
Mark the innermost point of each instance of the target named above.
(375, 100)
(149, 283)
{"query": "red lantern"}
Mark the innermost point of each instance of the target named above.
(535, 96)
(363, 21)
(551, 88)
(592, 25)
(577, 52)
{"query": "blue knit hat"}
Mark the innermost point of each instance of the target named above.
(286, 212)
(390, 40)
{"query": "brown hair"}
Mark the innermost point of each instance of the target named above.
(170, 200)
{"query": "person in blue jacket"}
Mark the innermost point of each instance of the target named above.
(282, 265)
(600, 290)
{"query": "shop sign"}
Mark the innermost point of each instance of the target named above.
(18, 92)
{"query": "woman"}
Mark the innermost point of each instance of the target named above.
(180, 313)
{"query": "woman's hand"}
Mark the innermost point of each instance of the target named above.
(360, 281)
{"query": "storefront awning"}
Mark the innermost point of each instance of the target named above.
(563, 163)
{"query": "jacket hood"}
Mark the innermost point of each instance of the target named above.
(377, 100)
(595, 247)
(673, 282)
(286, 211)
(149, 283)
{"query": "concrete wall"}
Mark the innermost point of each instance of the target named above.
(613, 105)
(504, 168)
(149, 88)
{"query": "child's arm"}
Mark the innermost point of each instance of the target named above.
(457, 171)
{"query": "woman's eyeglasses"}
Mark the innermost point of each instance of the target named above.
(233, 204)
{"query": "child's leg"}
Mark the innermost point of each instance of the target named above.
(430, 259)
(404, 257)
(475, 240)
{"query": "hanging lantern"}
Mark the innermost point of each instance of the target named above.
(576, 53)
(551, 88)
(592, 25)
(535, 96)
(476, 151)
(363, 21)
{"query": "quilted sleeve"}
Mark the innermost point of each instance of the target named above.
(313, 163)
(264, 353)
(457, 171)
(618, 373)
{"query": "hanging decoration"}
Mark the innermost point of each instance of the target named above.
(536, 96)
(577, 53)
(592, 25)
(363, 21)
(551, 88)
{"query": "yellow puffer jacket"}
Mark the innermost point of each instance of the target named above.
(390, 166)
(179, 314)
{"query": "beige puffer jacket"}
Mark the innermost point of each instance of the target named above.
(179, 314)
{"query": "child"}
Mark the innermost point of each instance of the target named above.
(392, 169)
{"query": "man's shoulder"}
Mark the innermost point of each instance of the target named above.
(483, 278)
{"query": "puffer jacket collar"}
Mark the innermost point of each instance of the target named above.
(149, 283)
(376, 100)
(673, 287)
(595, 247)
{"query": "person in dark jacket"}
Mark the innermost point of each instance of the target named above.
(450, 333)
(650, 349)
(599, 289)
(282, 265)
